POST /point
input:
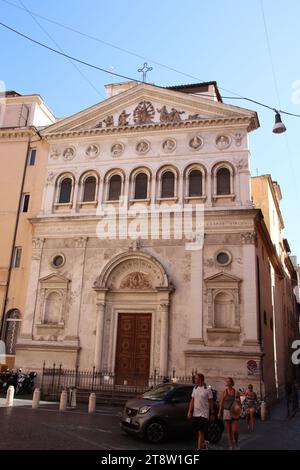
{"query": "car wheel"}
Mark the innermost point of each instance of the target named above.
(155, 432)
(214, 433)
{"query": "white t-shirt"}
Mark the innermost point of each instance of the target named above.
(201, 397)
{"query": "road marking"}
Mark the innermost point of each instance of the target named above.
(69, 411)
(103, 446)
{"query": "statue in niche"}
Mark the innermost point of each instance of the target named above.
(144, 113)
(123, 119)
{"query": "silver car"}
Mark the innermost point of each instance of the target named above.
(161, 411)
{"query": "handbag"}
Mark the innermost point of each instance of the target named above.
(235, 409)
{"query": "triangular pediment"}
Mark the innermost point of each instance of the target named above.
(54, 279)
(148, 105)
(222, 278)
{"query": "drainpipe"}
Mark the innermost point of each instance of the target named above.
(15, 234)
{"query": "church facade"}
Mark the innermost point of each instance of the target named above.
(115, 282)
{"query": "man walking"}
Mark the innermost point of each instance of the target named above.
(201, 408)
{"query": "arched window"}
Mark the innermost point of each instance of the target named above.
(89, 189)
(223, 181)
(115, 188)
(52, 308)
(168, 184)
(12, 324)
(223, 311)
(195, 183)
(141, 186)
(65, 190)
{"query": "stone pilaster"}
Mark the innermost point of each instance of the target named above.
(99, 335)
(164, 338)
(32, 290)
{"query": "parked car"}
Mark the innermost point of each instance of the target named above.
(163, 410)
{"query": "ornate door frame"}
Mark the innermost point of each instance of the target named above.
(132, 282)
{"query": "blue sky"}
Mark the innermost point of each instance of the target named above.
(217, 40)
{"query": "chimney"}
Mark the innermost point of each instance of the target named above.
(113, 89)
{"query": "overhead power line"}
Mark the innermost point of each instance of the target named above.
(126, 77)
(58, 46)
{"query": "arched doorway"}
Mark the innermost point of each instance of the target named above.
(132, 336)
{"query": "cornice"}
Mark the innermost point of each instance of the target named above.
(222, 354)
(188, 124)
(16, 133)
(110, 105)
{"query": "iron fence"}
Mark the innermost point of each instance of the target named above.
(55, 379)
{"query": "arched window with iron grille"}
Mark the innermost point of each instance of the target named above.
(168, 185)
(114, 188)
(223, 181)
(89, 189)
(141, 186)
(11, 330)
(195, 183)
(65, 190)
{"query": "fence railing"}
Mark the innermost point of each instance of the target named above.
(55, 379)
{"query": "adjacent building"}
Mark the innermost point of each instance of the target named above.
(23, 156)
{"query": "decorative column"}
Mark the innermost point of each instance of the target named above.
(164, 339)
(32, 289)
(208, 187)
(99, 335)
(76, 288)
(248, 240)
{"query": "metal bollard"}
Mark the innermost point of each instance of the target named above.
(36, 398)
(10, 396)
(63, 401)
(263, 411)
(92, 403)
(73, 398)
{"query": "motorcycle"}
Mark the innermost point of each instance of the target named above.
(22, 383)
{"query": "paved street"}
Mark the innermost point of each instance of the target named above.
(47, 428)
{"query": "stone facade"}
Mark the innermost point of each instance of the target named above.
(202, 302)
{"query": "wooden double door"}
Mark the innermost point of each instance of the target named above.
(132, 364)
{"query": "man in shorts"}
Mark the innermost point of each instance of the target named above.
(201, 408)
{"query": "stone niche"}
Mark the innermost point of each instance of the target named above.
(51, 307)
(222, 308)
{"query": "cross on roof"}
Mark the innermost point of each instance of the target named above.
(144, 70)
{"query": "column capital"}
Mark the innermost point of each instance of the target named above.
(164, 306)
(100, 305)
